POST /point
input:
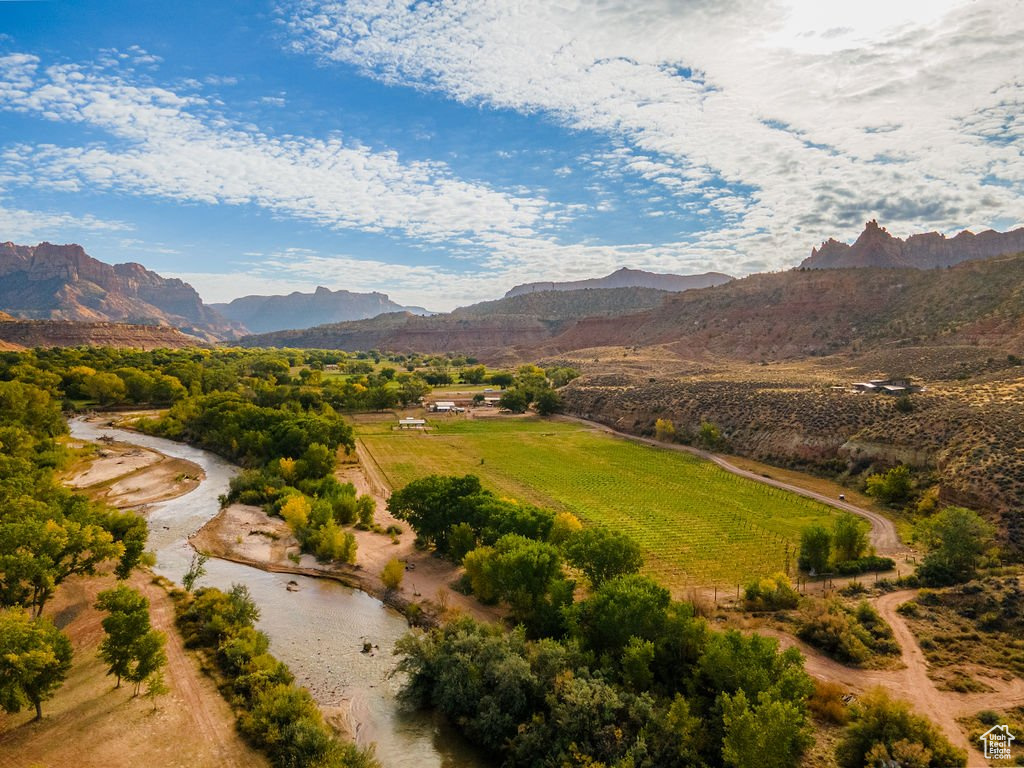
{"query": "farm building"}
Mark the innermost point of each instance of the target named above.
(893, 386)
(442, 406)
(411, 423)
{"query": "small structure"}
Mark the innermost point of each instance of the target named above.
(442, 406)
(898, 385)
(411, 423)
(491, 401)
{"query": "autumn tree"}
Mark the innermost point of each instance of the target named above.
(35, 658)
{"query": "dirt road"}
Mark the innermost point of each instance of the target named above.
(883, 534)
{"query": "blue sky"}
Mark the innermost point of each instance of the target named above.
(442, 152)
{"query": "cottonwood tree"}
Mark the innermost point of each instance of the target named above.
(35, 658)
(603, 554)
(132, 648)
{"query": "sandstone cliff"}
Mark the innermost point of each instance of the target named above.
(21, 334)
(877, 248)
(62, 282)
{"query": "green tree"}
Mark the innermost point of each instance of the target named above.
(603, 554)
(126, 624)
(502, 379)
(106, 388)
(431, 505)
(815, 549)
(881, 726)
(892, 487)
(474, 374)
(956, 539)
(514, 400)
(196, 571)
(365, 509)
(709, 436)
(35, 658)
(769, 733)
(548, 402)
(624, 607)
(849, 537)
(148, 658)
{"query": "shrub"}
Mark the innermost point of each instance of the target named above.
(771, 594)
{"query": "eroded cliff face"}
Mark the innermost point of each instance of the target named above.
(20, 334)
(875, 247)
(62, 282)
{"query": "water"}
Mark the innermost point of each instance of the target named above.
(318, 631)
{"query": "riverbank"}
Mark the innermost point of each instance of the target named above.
(245, 534)
(128, 476)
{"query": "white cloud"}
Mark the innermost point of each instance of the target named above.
(816, 116)
(25, 226)
(176, 147)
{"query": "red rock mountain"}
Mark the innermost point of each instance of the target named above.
(628, 278)
(877, 248)
(62, 282)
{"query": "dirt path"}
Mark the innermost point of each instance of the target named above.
(90, 724)
(883, 534)
(911, 683)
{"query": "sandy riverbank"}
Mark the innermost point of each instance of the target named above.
(129, 477)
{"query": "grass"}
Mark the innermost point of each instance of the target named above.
(696, 523)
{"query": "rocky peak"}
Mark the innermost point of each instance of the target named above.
(876, 247)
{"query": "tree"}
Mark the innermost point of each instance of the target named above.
(882, 726)
(548, 402)
(43, 543)
(815, 549)
(956, 539)
(849, 537)
(892, 487)
(709, 436)
(564, 527)
(127, 622)
(514, 400)
(391, 576)
(769, 733)
(431, 505)
(474, 374)
(148, 657)
(365, 508)
(196, 571)
(621, 608)
(34, 661)
(603, 554)
(665, 430)
(106, 388)
(502, 379)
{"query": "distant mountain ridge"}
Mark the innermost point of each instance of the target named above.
(493, 326)
(265, 314)
(628, 278)
(63, 282)
(875, 247)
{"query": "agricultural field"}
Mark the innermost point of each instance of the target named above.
(698, 525)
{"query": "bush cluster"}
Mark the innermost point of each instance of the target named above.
(273, 713)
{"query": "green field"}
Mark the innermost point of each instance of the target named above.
(698, 524)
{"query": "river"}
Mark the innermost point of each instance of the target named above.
(318, 630)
